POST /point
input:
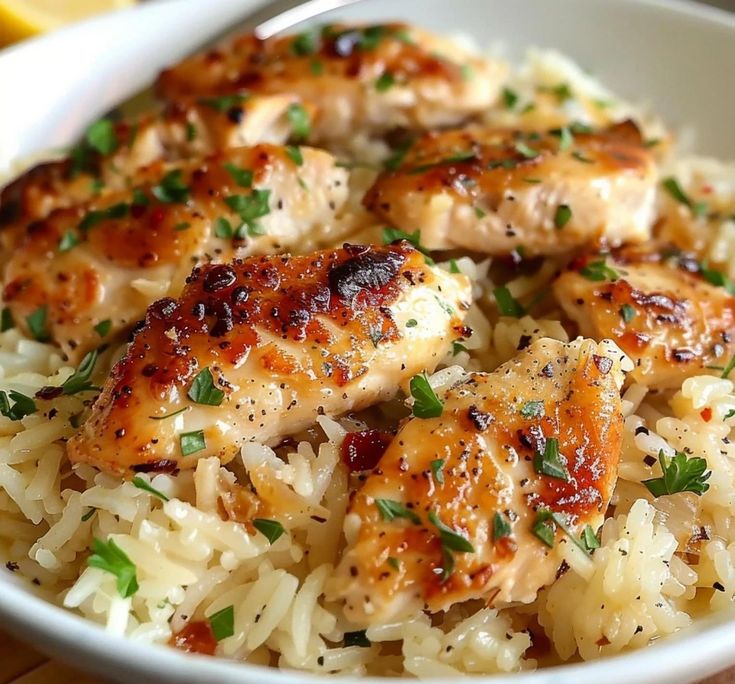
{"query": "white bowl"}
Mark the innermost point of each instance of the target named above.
(677, 56)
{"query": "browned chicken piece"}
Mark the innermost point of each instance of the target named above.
(93, 269)
(257, 349)
(359, 78)
(468, 504)
(495, 191)
(112, 152)
(661, 312)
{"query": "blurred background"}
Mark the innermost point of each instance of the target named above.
(21, 19)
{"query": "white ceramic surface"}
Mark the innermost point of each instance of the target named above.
(677, 56)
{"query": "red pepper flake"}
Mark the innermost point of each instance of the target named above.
(196, 637)
(706, 414)
(363, 450)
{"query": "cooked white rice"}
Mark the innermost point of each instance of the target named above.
(647, 580)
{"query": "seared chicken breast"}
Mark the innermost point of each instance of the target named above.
(661, 312)
(97, 266)
(258, 348)
(111, 152)
(495, 191)
(358, 78)
(468, 504)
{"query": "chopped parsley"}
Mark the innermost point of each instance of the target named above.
(390, 510)
(451, 542)
(526, 151)
(385, 82)
(223, 229)
(533, 409)
(357, 639)
(316, 67)
(566, 139)
(169, 415)
(294, 154)
(598, 271)
(38, 324)
(22, 405)
(394, 563)
(140, 199)
(562, 91)
(411, 323)
(627, 313)
(250, 207)
(391, 235)
(192, 442)
(426, 404)
(437, 470)
(582, 157)
(88, 515)
(458, 347)
(395, 160)
(224, 103)
(507, 304)
(270, 529)
(203, 391)
(549, 462)
(79, 380)
(562, 216)
(728, 368)
(680, 474)
(68, 241)
(671, 185)
(223, 623)
(501, 527)
(108, 556)
(716, 277)
(510, 98)
(101, 136)
(298, 117)
(6, 320)
(92, 218)
(543, 527)
(184, 225)
(306, 43)
(191, 131)
(243, 177)
(459, 157)
(589, 539)
(140, 483)
(171, 189)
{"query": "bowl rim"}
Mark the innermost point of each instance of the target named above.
(67, 636)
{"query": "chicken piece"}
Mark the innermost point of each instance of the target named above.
(111, 153)
(662, 313)
(271, 343)
(359, 78)
(457, 507)
(103, 263)
(495, 191)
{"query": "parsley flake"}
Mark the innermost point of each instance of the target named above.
(426, 404)
(79, 380)
(501, 527)
(680, 474)
(108, 556)
(562, 216)
(270, 529)
(224, 103)
(243, 177)
(385, 82)
(549, 462)
(589, 539)
(22, 405)
(250, 207)
(68, 241)
(627, 313)
(510, 98)
(671, 185)
(140, 483)
(390, 510)
(437, 470)
(298, 117)
(192, 442)
(507, 304)
(533, 409)
(6, 320)
(171, 189)
(203, 391)
(223, 623)
(597, 271)
(451, 542)
(294, 154)
(38, 325)
(526, 151)
(101, 136)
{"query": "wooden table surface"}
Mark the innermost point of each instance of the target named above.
(20, 664)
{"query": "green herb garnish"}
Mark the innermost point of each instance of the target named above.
(223, 623)
(298, 117)
(437, 470)
(507, 304)
(598, 271)
(6, 320)
(192, 442)
(250, 207)
(562, 216)
(390, 509)
(384, 82)
(243, 177)
(140, 483)
(38, 324)
(549, 462)
(68, 241)
(171, 189)
(101, 136)
(203, 391)
(532, 409)
(501, 527)
(510, 98)
(426, 404)
(627, 313)
(108, 556)
(270, 529)
(680, 474)
(79, 380)
(22, 405)
(294, 154)
(224, 103)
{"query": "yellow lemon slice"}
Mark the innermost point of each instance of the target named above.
(23, 18)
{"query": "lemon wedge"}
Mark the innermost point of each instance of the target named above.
(24, 18)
